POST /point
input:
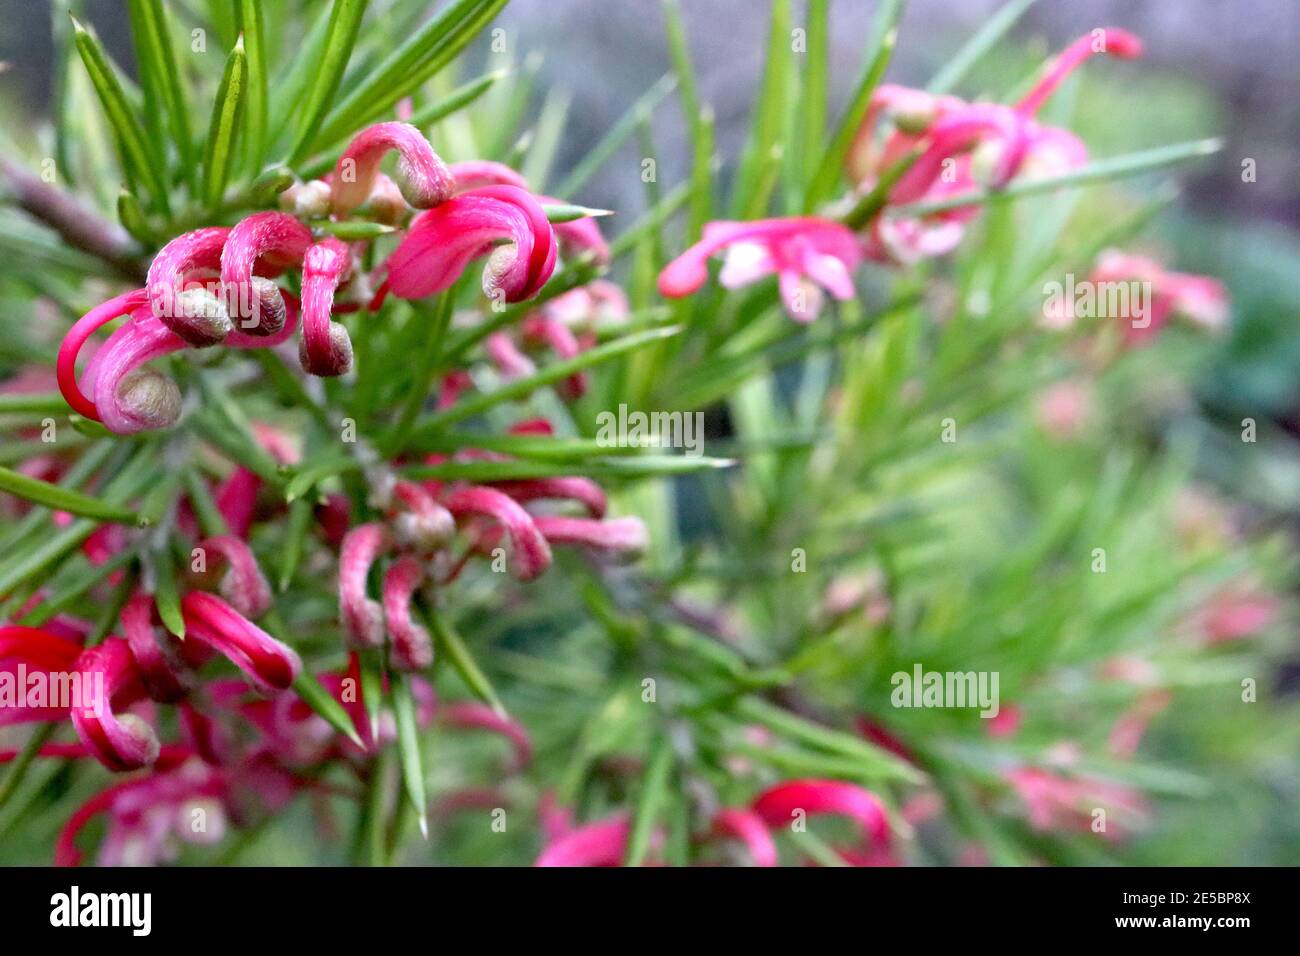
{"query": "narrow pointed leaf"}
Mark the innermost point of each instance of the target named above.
(62, 499)
(885, 38)
(458, 654)
(345, 22)
(226, 112)
(984, 39)
(254, 34)
(408, 745)
(650, 802)
(137, 158)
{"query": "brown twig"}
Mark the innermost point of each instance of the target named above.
(78, 226)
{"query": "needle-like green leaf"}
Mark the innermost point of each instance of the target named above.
(254, 34)
(408, 746)
(450, 643)
(881, 51)
(138, 160)
(345, 22)
(650, 802)
(161, 79)
(984, 39)
(62, 499)
(226, 112)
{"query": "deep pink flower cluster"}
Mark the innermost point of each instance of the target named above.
(218, 285)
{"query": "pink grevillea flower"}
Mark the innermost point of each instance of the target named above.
(471, 714)
(530, 553)
(120, 742)
(157, 657)
(961, 145)
(82, 329)
(148, 815)
(442, 241)
(363, 618)
(1006, 722)
(1161, 295)
(806, 254)
(420, 522)
(25, 651)
(477, 173)
(750, 829)
(325, 348)
(583, 491)
(1236, 613)
(243, 584)
(545, 330)
(622, 539)
(412, 648)
(1126, 736)
(276, 240)
(267, 663)
(510, 361)
(779, 806)
(424, 179)
(195, 314)
(1055, 802)
(595, 844)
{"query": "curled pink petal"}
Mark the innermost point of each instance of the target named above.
(268, 664)
(325, 347)
(596, 844)
(582, 490)
(1112, 41)
(160, 666)
(749, 828)
(35, 649)
(510, 362)
(531, 554)
(476, 173)
(120, 742)
(474, 715)
(363, 618)
(412, 648)
(624, 539)
(423, 178)
(66, 363)
(422, 523)
(128, 396)
(274, 239)
(243, 585)
(779, 805)
(443, 241)
(199, 316)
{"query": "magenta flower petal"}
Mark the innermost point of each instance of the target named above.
(421, 523)
(441, 243)
(596, 844)
(423, 178)
(243, 585)
(160, 666)
(82, 329)
(786, 246)
(749, 828)
(198, 316)
(276, 240)
(363, 618)
(122, 742)
(623, 539)
(129, 397)
(777, 806)
(582, 490)
(412, 648)
(474, 715)
(531, 554)
(509, 360)
(36, 650)
(268, 664)
(1118, 43)
(325, 349)
(476, 173)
